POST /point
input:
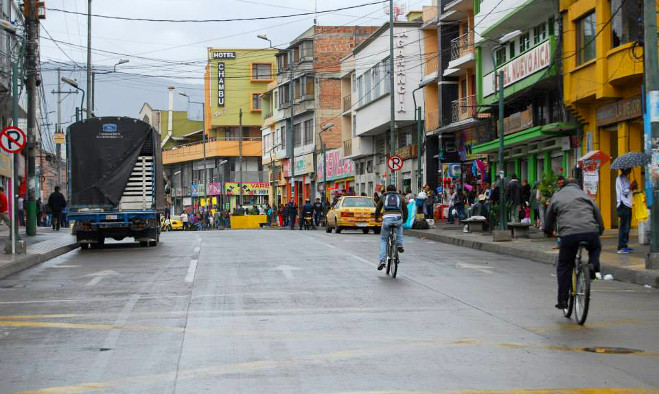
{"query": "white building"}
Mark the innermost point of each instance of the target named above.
(367, 107)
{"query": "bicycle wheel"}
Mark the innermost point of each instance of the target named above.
(394, 261)
(567, 312)
(582, 294)
(389, 253)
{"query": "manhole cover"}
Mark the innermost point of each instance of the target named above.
(611, 350)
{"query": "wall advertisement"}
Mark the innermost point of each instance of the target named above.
(249, 188)
(338, 167)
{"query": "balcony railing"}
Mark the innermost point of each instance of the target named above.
(347, 148)
(267, 115)
(347, 103)
(462, 45)
(431, 65)
(463, 108)
(432, 120)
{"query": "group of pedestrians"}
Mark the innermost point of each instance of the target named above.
(50, 214)
(204, 219)
(287, 214)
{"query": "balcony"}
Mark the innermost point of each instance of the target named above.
(431, 65)
(214, 148)
(463, 109)
(432, 120)
(462, 55)
(347, 148)
(359, 147)
(347, 103)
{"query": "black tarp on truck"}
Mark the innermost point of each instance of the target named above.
(116, 186)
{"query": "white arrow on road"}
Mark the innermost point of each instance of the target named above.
(98, 276)
(475, 267)
(287, 270)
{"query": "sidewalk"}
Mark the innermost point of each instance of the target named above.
(44, 246)
(626, 268)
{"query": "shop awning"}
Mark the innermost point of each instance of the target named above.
(525, 136)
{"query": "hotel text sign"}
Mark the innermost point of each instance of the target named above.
(399, 70)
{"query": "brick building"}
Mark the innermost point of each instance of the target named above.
(315, 60)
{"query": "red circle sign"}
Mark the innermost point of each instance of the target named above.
(12, 139)
(395, 163)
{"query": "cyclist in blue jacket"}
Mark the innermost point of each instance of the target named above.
(394, 214)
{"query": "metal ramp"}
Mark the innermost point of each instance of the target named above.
(138, 193)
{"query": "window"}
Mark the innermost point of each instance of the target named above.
(306, 50)
(550, 26)
(256, 101)
(500, 56)
(524, 42)
(367, 87)
(284, 95)
(376, 81)
(511, 49)
(308, 132)
(586, 38)
(282, 62)
(626, 22)
(296, 84)
(282, 133)
(262, 72)
(360, 90)
(387, 76)
(539, 33)
(296, 54)
(309, 86)
(354, 82)
(297, 135)
(275, 96)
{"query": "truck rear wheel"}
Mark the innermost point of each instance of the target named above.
(144, 243)
(84, 246)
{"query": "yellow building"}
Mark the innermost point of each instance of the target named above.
(603, 75)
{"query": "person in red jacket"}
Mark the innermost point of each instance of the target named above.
(4, 208)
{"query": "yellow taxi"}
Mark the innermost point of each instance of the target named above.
(352, 212)
(175, 222)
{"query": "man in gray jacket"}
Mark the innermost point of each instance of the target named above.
(578, 220)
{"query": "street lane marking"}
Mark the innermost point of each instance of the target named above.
(99, 276)
(191, 271)
(287, 270)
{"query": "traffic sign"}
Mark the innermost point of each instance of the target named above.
(12, 139)
(395, 163)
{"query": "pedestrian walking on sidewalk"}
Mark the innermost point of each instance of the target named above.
(4, 208)
(513, 194)
(624, 198)
(56, 203)
(292, 213)
(21, 211)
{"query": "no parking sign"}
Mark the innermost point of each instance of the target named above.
(12, 139)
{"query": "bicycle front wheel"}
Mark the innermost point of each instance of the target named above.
(582, 295)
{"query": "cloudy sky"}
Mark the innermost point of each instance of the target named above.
(174, 52)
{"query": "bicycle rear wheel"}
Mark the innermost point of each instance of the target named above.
(394, 261)
(582, 295)
(389, 253)
(567, 312)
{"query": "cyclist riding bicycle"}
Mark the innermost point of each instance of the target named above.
(393, 215)
(578, 220)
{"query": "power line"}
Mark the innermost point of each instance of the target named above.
(219, 20)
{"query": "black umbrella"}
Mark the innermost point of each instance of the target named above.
(630, 160)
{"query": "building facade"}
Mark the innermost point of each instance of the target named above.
(309, 69)
(366, 113)
(523, 42)
(603, 76)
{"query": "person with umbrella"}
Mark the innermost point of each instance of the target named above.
(625, 193)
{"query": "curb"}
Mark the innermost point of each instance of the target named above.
(30, 260)
(619, 273)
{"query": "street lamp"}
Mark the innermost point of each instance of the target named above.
(323, 147)
(74, 84)
(121, 61)
(504, 39)
(203, 135)
(265, 37)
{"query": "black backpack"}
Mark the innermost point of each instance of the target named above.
(392, 202)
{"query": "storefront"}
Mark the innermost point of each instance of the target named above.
(340, 173)
(618, 130)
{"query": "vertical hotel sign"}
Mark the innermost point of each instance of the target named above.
(221, 75)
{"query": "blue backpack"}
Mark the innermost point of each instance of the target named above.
(392, 202)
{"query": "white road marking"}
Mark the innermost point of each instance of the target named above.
(287, 270)
(197, 249)
(191, 271)
(99, 276)
(65, 266)
(475, 267)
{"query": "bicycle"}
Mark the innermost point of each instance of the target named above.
(392, 253)
(579, 299)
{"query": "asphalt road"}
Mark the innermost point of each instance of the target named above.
(270, 311)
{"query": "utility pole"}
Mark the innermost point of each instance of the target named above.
(652, 116)
(89, 59)
(59, 124)
(240, 156)
(501, 168)
(289, 133)
(392, 91)
(32, 22)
